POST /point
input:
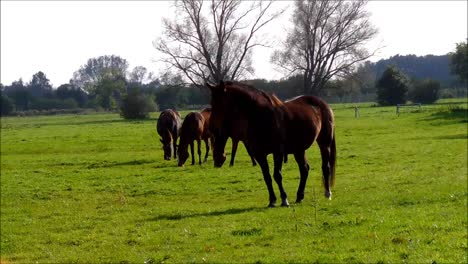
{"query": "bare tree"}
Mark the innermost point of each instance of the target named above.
(327, 40)
(214, 42)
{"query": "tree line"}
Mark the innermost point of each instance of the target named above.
(323, 54)
(104, 83)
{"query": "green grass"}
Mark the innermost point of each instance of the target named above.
(95, 188)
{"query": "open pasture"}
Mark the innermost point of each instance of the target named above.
(95, 188)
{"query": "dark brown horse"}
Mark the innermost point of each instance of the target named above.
(278, 128)
(168, 127)
(194, 128)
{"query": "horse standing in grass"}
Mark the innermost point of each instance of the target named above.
(168, 127)
(278, 128)
(194, 128)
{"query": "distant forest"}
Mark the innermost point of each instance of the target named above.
(424, 67)
(117, 84)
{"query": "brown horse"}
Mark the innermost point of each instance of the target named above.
(168, 127)
(278, 128)
(194, 128)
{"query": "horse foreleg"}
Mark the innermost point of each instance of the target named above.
(278, 163)
(304, 171)
(192, 152)
(263, 162)
(207, 145)
(235, 142)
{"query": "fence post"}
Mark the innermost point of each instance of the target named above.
(356, 111)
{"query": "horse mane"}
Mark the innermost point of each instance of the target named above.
(254, 93)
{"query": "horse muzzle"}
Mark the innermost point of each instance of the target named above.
(218, 162)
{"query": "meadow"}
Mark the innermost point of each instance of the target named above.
(95, 189)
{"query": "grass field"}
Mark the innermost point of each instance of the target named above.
(95, 188)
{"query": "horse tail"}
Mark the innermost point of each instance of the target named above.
(328, 133)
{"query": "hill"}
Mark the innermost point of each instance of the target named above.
(419, 67)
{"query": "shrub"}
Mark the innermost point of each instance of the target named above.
(426, 91)
(6, 105)
(392, 87)
(136, 105)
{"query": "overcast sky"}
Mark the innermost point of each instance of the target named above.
(57, 37)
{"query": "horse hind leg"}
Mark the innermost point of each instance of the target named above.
(254, 163)
(326, 169)
(192, 152)
(199, 151)
(207, 146)
(235, 142)
(304, 172)
(174, 147)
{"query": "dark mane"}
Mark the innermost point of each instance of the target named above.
(254, 93)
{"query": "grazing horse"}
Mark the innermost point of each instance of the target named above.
(194, 128)
(168, 127)
(276, 127)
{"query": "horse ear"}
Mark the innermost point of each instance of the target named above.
(221, 85)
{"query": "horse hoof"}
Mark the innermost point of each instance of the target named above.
(272, 205)
(285, 203)
(328, 195)
(298, 201)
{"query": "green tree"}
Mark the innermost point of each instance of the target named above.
(20, 95)
(109, 91)
(136, 105)
(69, 91)
(6, 105)
(40, 86)
(459, 61)
(103, 78)
(392, 87)
(425, 91)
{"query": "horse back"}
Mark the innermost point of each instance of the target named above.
(169, 120)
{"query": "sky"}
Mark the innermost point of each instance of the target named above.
(58, 37)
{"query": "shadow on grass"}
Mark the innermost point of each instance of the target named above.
(78, 122)
(104, 122)
(458, 136)
(106, 164)
(185, 215)
(450, 116)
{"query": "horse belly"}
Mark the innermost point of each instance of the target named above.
(302, 130)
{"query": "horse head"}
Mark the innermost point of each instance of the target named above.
(220, 107)
(182, 155)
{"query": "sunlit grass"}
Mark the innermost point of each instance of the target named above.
(95, 188)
